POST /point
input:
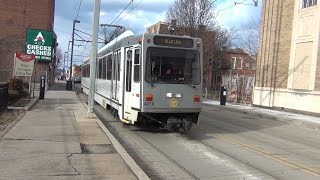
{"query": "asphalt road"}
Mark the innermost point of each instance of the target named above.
(226, 145)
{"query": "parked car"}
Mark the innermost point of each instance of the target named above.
(76, 79)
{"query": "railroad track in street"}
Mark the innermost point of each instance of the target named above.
(205, 153)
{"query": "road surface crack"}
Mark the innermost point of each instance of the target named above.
(69, 163)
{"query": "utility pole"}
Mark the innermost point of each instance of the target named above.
(64, 63)
(93, 56)
(69, 83)
(105, 30)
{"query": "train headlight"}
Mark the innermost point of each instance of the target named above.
(169, 95)
(179, 95)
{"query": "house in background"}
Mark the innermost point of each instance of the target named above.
(235, 69)
(288, 64)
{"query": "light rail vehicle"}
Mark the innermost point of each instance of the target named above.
(149, 78)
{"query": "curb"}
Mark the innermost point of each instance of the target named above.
(26, 108)
(297, 122)
(8, 128)
(31, 104)
(137, 171)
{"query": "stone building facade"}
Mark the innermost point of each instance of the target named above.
(16, 16)
(288, 64)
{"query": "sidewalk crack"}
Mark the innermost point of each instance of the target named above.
(69, 163)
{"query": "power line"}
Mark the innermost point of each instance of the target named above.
(103, 31)
(235, 3)
(117, 16)
(79, 9)
(129, 11)
(87, 34)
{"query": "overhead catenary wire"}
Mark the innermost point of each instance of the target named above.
(117, 16)
(79, 9)
(129, 11)
(235, 3)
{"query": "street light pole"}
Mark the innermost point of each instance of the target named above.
(74, 23)
(93, 56)
(69, 83)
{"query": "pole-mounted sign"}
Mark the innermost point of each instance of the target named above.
(23, 64)
(40, 43)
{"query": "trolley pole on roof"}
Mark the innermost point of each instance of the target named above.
(93, 56)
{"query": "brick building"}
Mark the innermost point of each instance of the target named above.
(16, 16)
(288, 64)
(235, 70)
(237, 62)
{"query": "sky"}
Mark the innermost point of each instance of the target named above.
(138, 15)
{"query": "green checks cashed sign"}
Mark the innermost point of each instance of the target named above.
(40, 44)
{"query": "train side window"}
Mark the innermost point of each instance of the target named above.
(129, 71)
(100, 68)
(104, 65)
(114, 69)
(109, 66)
(88, 70)
(119, 60)
(136, 75)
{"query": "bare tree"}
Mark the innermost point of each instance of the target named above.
(249, 36)
(192, 14)
(58, 56)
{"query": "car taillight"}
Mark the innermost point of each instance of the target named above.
(149, 97)
(196, 98)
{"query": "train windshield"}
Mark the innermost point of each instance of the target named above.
(173, 66)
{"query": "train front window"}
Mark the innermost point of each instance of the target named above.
(173, 66)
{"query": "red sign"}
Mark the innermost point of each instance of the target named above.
(23, 64)
(25, 57)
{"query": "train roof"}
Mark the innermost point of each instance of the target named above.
(127, 36)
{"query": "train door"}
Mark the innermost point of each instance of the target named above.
(118, 74)
(136, 80)
(127, 84)
(114, 75)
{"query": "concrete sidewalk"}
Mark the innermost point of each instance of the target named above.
(311, 122)
(55, 140)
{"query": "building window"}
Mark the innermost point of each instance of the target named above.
(308, 3)
(247, 65)
(233, 62)
(239, 63)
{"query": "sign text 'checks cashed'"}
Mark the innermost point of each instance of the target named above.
(40, 44)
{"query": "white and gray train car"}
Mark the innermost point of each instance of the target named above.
(151, 77)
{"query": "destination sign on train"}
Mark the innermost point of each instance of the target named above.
(174, 42)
